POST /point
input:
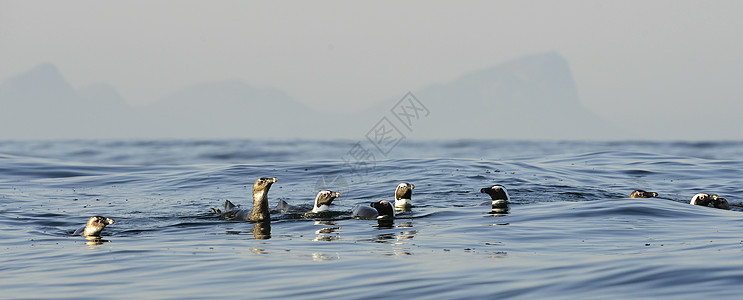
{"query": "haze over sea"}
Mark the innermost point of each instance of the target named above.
(571, 231)
(152, 113)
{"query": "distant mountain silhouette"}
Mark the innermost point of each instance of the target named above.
(41, 104)
(102, 93)
(533, 97)
(231, 109)
(41, 85)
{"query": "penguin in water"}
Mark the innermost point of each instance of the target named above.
(703, 199)
(260, 210)
(499, 198)
(381, 210)
(322, 203)
(719, 202)
(642, 194)
(94, 226)
(403, 193)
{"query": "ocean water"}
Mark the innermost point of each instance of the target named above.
(571, 231)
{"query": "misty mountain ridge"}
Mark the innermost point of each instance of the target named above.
(229, 109)
(43, 84)
(533, 97)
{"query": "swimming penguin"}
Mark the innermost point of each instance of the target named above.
(322, 203)
(719, 202)
(260, 203)
(94, 226)
(701, 199)
(403, 193)
(381, 210)
(498, 196)
(323, 200)
(642, 194)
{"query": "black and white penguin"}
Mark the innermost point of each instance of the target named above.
(498, 196)
(94, 226)
(403, 193)
(642, 194)
(260, 210)
(323, 200)
(701, 199)
(322, 203)
(381, 210)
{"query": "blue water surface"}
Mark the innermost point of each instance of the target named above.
(571, 231)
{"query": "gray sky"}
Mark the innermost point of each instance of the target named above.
(625, 55)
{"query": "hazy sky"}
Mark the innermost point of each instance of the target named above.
(625, 55)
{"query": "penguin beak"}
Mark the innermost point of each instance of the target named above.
(273, 179)
(336, 194)
(110, 221)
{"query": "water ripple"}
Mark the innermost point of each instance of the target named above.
(571, 230)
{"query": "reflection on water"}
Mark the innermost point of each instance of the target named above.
(407, 224)
(498, 254)
(394, 238)
(324, 222)
(554, 244)
(408, 234)
(326, 238)
(497, 212)
(327, 234)
(385, 223)
(95, 240)
(403, 209)
(325, 257)
(262, 230)
(499, 207)
(384, 238)
(258, 251)
(327, 230)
